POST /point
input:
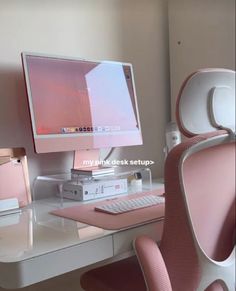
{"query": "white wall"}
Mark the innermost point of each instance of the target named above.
(133, 31)
(202, 35)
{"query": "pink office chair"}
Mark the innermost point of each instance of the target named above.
(198, 244)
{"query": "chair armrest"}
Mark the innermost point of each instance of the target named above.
(152, 264)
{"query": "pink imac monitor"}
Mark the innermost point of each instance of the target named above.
(78, 104)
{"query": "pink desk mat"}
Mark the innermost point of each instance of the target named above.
(86, 213)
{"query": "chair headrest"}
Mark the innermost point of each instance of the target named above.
(206, 102)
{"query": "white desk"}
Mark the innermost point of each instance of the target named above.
(35, 245)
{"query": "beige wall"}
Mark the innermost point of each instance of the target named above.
(202, 35)
(133, 31)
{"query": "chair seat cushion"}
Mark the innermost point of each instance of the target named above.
(124, 275)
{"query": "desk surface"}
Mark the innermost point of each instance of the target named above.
(36, 245)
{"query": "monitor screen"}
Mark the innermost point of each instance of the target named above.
(79, 104)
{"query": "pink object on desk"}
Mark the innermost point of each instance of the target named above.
(14, 180)
(87, 214)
